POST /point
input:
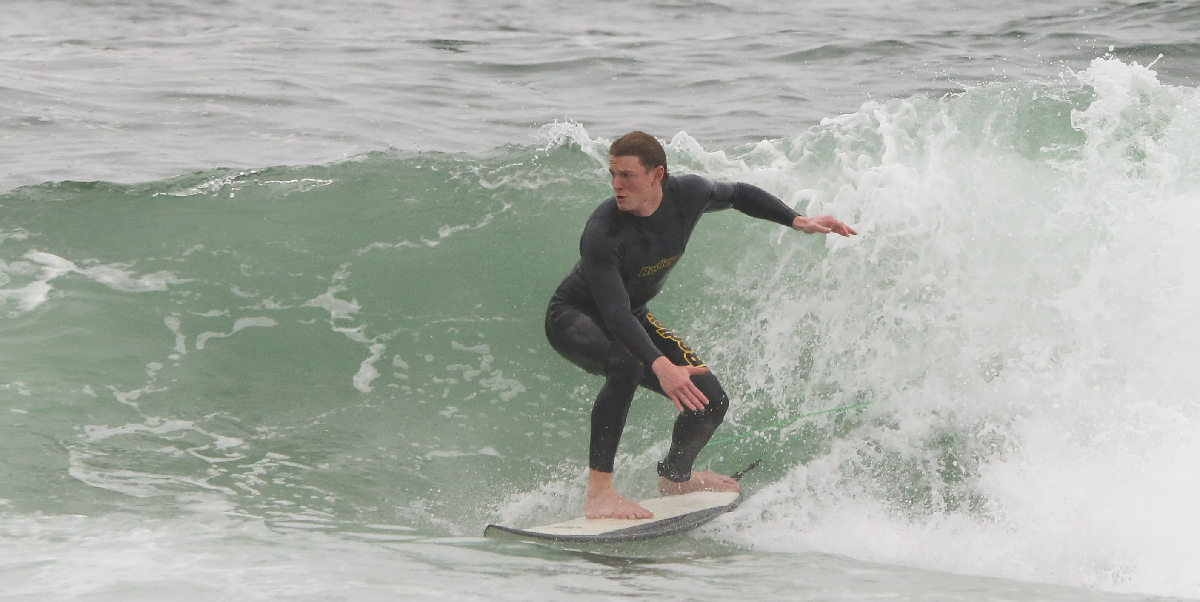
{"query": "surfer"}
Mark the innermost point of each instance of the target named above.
(598, 319)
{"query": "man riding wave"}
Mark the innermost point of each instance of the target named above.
(598, 319)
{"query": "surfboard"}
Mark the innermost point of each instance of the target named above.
(673, 514)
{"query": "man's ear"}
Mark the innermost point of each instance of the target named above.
(658, 173)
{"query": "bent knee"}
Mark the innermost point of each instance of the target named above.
(620, 364)
(718, 400)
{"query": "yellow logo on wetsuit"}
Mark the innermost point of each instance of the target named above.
(689, 356)
(662, 265)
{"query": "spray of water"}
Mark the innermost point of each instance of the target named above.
(1019, 312)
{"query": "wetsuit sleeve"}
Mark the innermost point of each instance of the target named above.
(602, 272)
(752, 201)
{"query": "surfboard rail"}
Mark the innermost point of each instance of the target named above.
(673, 515)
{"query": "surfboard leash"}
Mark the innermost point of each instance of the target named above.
(737, 476)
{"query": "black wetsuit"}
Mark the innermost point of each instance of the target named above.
(598, 319)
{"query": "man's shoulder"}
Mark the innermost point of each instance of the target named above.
(604, 221)
(691, 183)
(693, 191)
(606, 213)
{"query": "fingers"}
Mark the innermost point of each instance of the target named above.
(682, 402)
(689, 400)
(827, 224)
(844, 230)
(689, 397)
(697, 394)
(677, 383)
(811, 226)
(815, 226)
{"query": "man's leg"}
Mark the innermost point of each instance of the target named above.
(580, 339)
(622, 373)
(693, 428)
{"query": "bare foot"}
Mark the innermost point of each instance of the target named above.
(613, 506)
(700, 481)
(603, 501)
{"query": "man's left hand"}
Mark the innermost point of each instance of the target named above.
(822, 225)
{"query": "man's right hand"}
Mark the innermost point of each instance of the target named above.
(676, 382)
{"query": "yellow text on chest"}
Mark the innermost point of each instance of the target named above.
(662, 265)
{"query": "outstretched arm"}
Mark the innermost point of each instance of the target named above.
(751, 200)
(756, 202)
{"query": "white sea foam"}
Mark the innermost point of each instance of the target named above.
(35, 293)
(367, 371)
(341, 310)
(238, 325)
(1023, 319)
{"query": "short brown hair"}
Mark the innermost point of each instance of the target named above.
(643, 146)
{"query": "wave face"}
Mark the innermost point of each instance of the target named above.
(1019, 313)
(995, 378)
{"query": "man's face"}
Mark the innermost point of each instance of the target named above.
(638, 190)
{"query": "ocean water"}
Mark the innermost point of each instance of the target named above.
(272, 279)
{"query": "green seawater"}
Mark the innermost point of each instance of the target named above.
(351, 344)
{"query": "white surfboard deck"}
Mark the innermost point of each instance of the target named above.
(672, 514)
